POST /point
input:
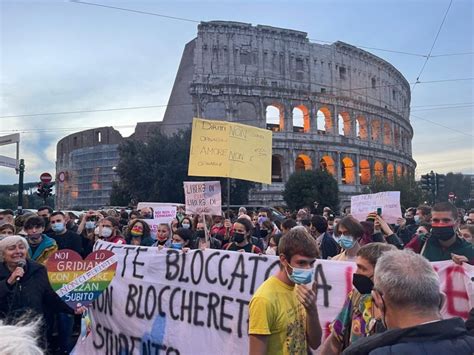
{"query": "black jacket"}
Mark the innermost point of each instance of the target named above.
(445, 337)
(329, 246)
(68, 240)
(32, 294)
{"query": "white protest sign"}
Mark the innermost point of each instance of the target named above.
(197, 302)
(160, 212)
(203, 197)
(388, 201)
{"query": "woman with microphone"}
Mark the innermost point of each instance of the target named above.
(25, 291)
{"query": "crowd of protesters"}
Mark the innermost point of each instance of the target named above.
(436, 233)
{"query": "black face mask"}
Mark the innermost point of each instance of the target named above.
(362, 283)
(442, 233)
(200, 234)
(263, 233)
(239, 237)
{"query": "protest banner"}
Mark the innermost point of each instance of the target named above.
(203, 197)
(162, 213)
(229, 149)
(388, 201)
(79, 281)
(197, 302)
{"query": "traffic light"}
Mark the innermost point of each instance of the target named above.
(425, 182)
(440, 182)
(44, 190)
(432, 181)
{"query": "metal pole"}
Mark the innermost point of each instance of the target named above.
(228, 197)
(21, 170)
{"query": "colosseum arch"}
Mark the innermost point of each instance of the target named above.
(399, 170)
(364, 172)
(348, 171)
(275, 117)
(303, 162)
(378, 170)
(390, 173)
(387, 134)
(324, 121)
(396, 137)
(301, 119)
(375, 126)
(362, 131)
(344, 124)
(327, 164)
(277, 172)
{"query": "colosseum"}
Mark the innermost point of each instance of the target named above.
(331, 106)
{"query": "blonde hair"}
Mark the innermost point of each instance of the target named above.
(9, 241)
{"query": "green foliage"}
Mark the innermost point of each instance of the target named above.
(305, 187)
(411, 194)
(155, 171)
(9, 197)
(459, 184)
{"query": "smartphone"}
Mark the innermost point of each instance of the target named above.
(379, 211)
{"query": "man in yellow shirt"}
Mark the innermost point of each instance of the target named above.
(283, 316)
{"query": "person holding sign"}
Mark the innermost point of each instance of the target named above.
(283, 316)
(25, 290)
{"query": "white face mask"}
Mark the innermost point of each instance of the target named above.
(270, 251)
(106, 232)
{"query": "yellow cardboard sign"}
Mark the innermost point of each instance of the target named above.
(229, 149)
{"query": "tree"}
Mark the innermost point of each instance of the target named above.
(459, 184)
(308, 186)
(156, 169)
(411, 194)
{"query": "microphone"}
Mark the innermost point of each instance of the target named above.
(22, 264)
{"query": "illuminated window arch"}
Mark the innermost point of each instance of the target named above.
(301, 119)
(399, 170)
(348, 171)
(396, 137)
(324, 120)
(275, 117)
(364, 172)
(303, 162)
(378, 170)
(387, 134)
(344, 124)
(327, 164)
(361, 128)
(390, 173)
(277, 175)
(375, 126)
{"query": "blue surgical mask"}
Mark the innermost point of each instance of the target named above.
(346, 242)
(186, 225)
(90, 225)
(57, 227)
(417, 219)
(177, 246)
(300, 276)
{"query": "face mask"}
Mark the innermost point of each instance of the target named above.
(106, 232)
(270, 251)
(57, 227)
(416, 219)
(35, 238)
(148, 216)
(362, 283)
(90, 225)
(219, 225)
(346, 242)
(136, 233)
(263, 233)
(442, 233)
(239, 237)
(300, 276)
(186, 225)
(177, 246)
